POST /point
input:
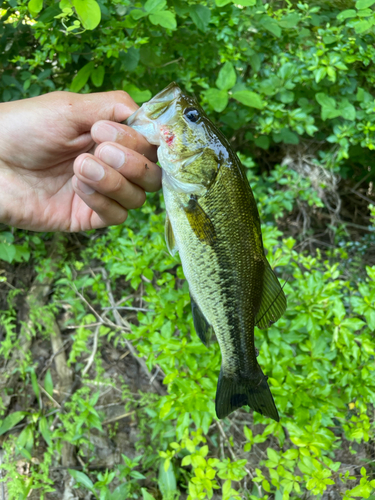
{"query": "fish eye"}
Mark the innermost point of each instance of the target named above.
(191, 114)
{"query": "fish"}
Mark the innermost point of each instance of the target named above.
(213, 222)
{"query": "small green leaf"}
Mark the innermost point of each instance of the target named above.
(137, 94)
(217, 99)
(346, 14)
(97, 76)
(152, 6)
(289, 21)
(89, 13)
(35, 6)
(138, 14)
(44, 430)
(11, 420)
(262, 142)
(201, 16)
(167, 481)
(48, 383)
(164, 18)
(249, 98)
(81, 478)
(7, 252)
(221, 3)
(271, 25)
(34, 383)
(363, 4)
(245, 3)
(363, 26)
(227, 77)
(146, 495)
(82, 77)
(347, 110)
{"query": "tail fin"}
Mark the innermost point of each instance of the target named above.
(232, 393)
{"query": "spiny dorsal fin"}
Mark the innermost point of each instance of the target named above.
(273, 302)
(169, 237)
(202, 327)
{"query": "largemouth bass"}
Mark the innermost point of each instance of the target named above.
(213, 221)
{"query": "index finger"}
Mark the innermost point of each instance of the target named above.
(107, 131)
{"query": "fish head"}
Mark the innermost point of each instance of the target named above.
(189, 145)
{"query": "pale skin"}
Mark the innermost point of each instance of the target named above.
(67, 164)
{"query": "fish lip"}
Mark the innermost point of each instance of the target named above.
(160, 103)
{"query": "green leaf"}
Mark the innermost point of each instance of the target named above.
(44, 430)
(120, 492)
(271, 25)
(167, 480)
(347, 110)
(290, 21)
(201, 16)
(138, 14)
(129, 59)
(262, 142)
(48, 383)
(11, 420)
(217, 99)
(363, 26)
(35, 6)
(249, 98)
(152, 6)
(227, 77)
(137, 94)
(165, 18)
(81, 478)
(346, 14)
(89, 13)
(34, 383)
(245, 3)
(221, 3)
(97, 76)
(146, 495)
(7, 252)
(363, 4)
(82, 77)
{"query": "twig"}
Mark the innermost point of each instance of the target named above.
(93, 353)
(127, 309)
(119, 417)
(48, 396)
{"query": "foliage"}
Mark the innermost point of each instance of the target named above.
(276, 77)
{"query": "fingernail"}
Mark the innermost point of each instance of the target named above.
(104, 132)
(92, 170)
(113, 156)
(84, 187)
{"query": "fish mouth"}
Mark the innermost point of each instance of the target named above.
(162, 102)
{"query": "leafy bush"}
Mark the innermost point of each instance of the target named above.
(284, 80)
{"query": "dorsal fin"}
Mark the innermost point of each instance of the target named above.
(273, 302)
(202, 327)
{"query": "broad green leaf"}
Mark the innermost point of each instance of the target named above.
(138, 95)
(363, 26)
(346, 14)
(363, 4)
(97, 76)
(227, 77)
(245, 3)
(35, 6)
(89, 13)
(130, 59)
(81, 478)
(82, 77)
(7, 252)
(34, 383)
(138, 14)
(271, 25)
(262, 142)
(120, 492)
(347, 110)
(164, 18)
(221, 3)
(217, 99)
(146, 495)
(167, 481)
(11, 420)
(152, 6)
(44, 430)
(290, 21)
(48, 383)
(201, 16)
(249, 98)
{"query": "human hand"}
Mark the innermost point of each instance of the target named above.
(53, 177)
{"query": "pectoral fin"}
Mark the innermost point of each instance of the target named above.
(273, 302)
(200, 222)
(202, 327)
(169, 237)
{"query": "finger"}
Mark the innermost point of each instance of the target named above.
(108, 182)
(105, 131)
(134, 166)
(107, 212)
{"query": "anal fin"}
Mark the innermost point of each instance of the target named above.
(273, 302)
(202, 327)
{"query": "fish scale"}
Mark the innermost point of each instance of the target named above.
(213, 222)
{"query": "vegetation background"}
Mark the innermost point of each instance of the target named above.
(106, 391)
